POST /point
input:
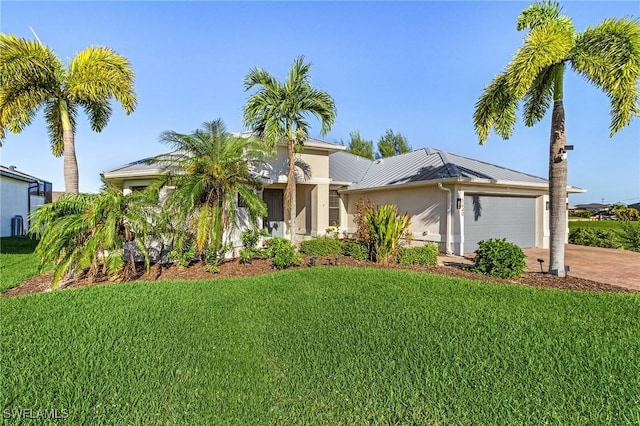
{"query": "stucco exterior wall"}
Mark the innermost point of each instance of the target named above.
(425, 205)
(14, 199)
(315, 162)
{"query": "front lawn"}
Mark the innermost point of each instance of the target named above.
(17, 261)
(324, 345)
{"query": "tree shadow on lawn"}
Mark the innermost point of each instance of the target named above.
(18, 245)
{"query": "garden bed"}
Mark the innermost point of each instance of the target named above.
(233, 268)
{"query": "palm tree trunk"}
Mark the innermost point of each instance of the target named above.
(291, 190)
(70, 166)
(557, 183)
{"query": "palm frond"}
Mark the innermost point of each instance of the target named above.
(97, 74)
(543, 47)
(608, 55)
(539, 96)
(538, 14)
(30, 75)
(495, 109)
(54, 123)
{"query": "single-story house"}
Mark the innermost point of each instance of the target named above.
(20, 194)
(452, 200)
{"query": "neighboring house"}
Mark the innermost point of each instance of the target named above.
(452, 200)
(593, 207)
(20, 194)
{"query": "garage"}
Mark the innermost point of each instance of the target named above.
(487, 216)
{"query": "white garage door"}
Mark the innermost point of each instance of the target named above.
(513, 218)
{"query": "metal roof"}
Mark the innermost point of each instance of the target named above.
(346, 167)
(12, 172)
(421, 165)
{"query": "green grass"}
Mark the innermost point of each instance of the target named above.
(17, 261)
(612, 225)
(324, 345)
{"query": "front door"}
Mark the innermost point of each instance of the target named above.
(274, 222)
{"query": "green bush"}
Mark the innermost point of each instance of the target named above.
(425, 255)
(246, 255)
(582, 214)
(356, 249)
(250, 248)
(183, 258)
(631, 234)
(282, 253)
(386, 227)
(499, 258)
(594, 237)
(323, 246)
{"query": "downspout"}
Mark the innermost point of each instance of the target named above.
(28, 218)
(448, 237)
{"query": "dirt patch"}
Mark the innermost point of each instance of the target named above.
(233, 268)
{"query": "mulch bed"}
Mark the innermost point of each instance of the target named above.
(233, 268)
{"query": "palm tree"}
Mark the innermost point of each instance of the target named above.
(90, 230)
(607, 55)
(278, 112)
(32, 76)
(209, 169)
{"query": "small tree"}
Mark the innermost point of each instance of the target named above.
(209, 170)
(362, 207)
(391, 144)
(90, 230)
(359, 146)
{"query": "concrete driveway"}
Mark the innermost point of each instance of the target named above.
(615, 267)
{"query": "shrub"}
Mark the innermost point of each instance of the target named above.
(250, 240)
(594, 237)
(362, 207)
(583, 214)
(499, 258)
(631, 234)
(246, 255)
(356, 249)
(425, 255)
(323, 246)
(282, 253)
(386, 228)
(183, 257)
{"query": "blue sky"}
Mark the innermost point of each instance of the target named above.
(414, 67)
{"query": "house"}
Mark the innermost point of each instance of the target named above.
(20, 194)
(453, 201)
(593, 207)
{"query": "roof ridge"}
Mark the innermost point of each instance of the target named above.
(452, 168)
(494, 165)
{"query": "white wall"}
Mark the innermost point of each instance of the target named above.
(14, 200)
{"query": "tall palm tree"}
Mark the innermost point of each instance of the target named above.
(90, 230)
(607, 55)
(209, 169)
(32, 76)
(278, 112)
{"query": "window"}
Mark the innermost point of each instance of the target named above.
(334, 208)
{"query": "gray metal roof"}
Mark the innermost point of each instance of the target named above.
(421, 165)
(346, 167)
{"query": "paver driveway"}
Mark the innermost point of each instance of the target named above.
(616, 267)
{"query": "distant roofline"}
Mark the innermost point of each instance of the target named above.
(19, 175)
